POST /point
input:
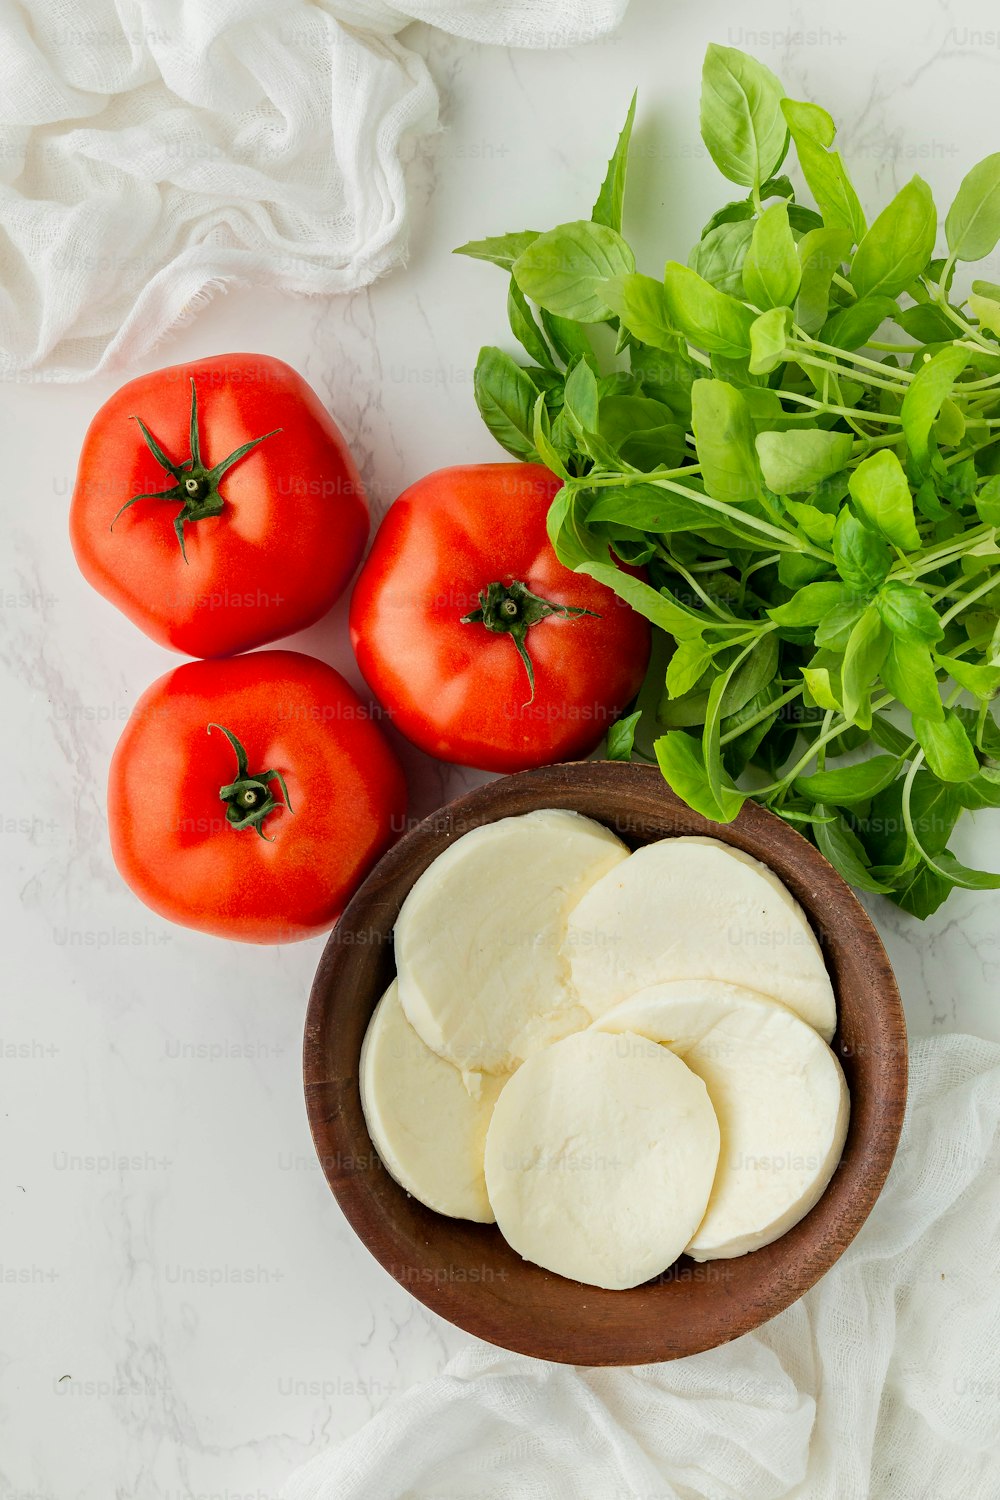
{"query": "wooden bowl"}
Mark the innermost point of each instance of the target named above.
(467, 1272)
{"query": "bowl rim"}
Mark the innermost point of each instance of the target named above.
(333, 1098)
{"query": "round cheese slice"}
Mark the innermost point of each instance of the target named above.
(600, 1158)
(426, 1126)
(692, 908)
(779, 1095)
(483, 976)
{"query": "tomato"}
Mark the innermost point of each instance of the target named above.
(483, 647)
(249, 797)
(217, 505)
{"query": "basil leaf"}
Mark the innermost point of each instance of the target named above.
(813, 131)
(608, 208)
(822, 689)
(769, 335)
(852, 327)
(688, 664)
(909, 614)
(908, 674)
(986, 311)
(641, 304)
(719, 255)
(964, 877)
(563, 269)
(644, 507)
(818, 525)
(708, 317)
(542, 435)
(849, 784)
(741, 120)
(973, 222)
(946, 746)
(925, 396)
(794, 461)
(621, 736)
(567, 338)
(863, 657)
(524, 328)
(501, 250)
(928, 323)
(982, 682)
(834, 630)
(988, 502)
(506, 396)
(771, 271)
(752, 674)
(979, 792)
(821, 252)
(898, 245)
(838, 842)
(680, 758)
(809, 606)
(880, 490)
(724, 438)
(582, 403)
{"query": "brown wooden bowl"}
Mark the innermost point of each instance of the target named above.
(467, 1272)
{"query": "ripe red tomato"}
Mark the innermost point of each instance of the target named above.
(217, 505)
(483, 647)
(249, 797)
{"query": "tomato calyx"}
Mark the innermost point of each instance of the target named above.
(195, 486)
(249, 799)
(511, 609)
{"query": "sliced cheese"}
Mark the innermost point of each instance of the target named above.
(427, 1127)
(779, 1095)
(481, 937)
(600, 1158)
(692, 908)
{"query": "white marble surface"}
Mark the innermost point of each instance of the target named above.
(185, 1311)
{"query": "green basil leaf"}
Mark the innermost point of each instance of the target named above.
(934, 809)
(741, 120)
(986, 311)
(823, 690)
(973, 222)
(769, 335)
(682, 763)
(880, 490)
(852, 327)
(979, 792)
(946, 746)
(863, 657)
(542, 434)
(965, 878)
(798, 460)
(501, 250)
(563, 270)
(506, 396)
(724, 438)
(908, 674)
(928, 324)
(818, 525)
(813, 131)
(524, 328)
(621, 736)
(641, 304)
(982, 682)
(834, 630)
(688, 664)
(925, 396)
(898, 245)
(909, 614)
(644, 507)
(771, 271)
(849, 784)
(719, 255)
(838, 842)
(658, 605)
(608, 208)
(582, 403)
(809, 606)
(821, 252)
(709, 318)
(752, 674)
(567, 338)
(988, 502)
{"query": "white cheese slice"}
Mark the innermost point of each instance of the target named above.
(429, 1130)
(481, 937)
(600, 1158)
(779, 1095)
(692, 908)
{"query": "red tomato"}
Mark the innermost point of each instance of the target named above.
(249, 797)
(470, 542)
(252, 517)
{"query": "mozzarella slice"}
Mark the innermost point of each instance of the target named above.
(692, 908)
(600, 1158)
(779, 1095)
(483, 977)
(425, 1125)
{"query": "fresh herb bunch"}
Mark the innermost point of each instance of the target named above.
(803, 453)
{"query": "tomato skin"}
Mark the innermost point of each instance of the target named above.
(169, 834)
(293, 527)
(457, 690)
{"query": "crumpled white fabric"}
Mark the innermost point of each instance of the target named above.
(883, 1383)
(153, 150)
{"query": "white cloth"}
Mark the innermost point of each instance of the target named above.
(152, 151)
(883, 1383)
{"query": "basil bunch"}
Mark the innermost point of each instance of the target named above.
(797, 436)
